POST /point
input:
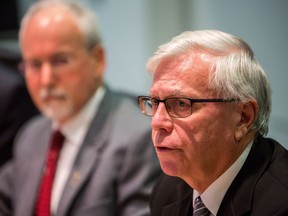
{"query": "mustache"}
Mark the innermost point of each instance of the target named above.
(46, 93)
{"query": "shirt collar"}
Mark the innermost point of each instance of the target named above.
(214, 194)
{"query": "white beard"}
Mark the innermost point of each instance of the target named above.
(57, 105)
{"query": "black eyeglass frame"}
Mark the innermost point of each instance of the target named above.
(192, 100)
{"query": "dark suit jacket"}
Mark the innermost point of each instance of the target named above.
(260, 188)
(16, 108)
(113, 174)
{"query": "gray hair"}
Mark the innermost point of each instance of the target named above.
(236, 72)
(85, 18)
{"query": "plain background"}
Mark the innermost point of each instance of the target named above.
(133, 29)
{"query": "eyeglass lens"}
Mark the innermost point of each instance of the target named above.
(176, 107)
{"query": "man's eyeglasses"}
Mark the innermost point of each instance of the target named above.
(176, 107)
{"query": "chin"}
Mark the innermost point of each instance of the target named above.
(169, 168)
(58, 114)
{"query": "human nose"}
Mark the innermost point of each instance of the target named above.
(161, 119)
(47, 74)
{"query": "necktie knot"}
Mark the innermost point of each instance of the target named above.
(199, 208)
(56, 142)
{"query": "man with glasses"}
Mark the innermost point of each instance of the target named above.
(105, 164)
(210, 102)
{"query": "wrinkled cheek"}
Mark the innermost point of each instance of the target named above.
(206, 133)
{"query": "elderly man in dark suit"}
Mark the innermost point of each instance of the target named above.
(101, 160)
(210, 102)
(16, 106)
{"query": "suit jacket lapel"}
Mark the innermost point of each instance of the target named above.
(80, 172)
(89, 154)
(238, 199)
(34, 172)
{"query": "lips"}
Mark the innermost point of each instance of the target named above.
(163, 142)
(54, 98)
(163, 149)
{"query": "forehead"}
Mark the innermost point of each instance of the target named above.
(186, 74)
(49, 17)
(49, 30)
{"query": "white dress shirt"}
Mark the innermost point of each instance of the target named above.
(74, 132)
(214, 194)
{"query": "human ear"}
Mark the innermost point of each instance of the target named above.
(98, 59)
(249, 112)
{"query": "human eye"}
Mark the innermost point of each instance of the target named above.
(182, 103)
(154, 101)
(179, 107)
(60, 60)
(33, 65)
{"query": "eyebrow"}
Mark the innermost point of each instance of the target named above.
(173, 94)
(62, 54)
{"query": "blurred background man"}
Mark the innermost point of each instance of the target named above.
(101, 160)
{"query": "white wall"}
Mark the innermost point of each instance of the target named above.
(124, 30)
(132, 30)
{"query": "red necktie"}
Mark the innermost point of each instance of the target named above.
(45, 189)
